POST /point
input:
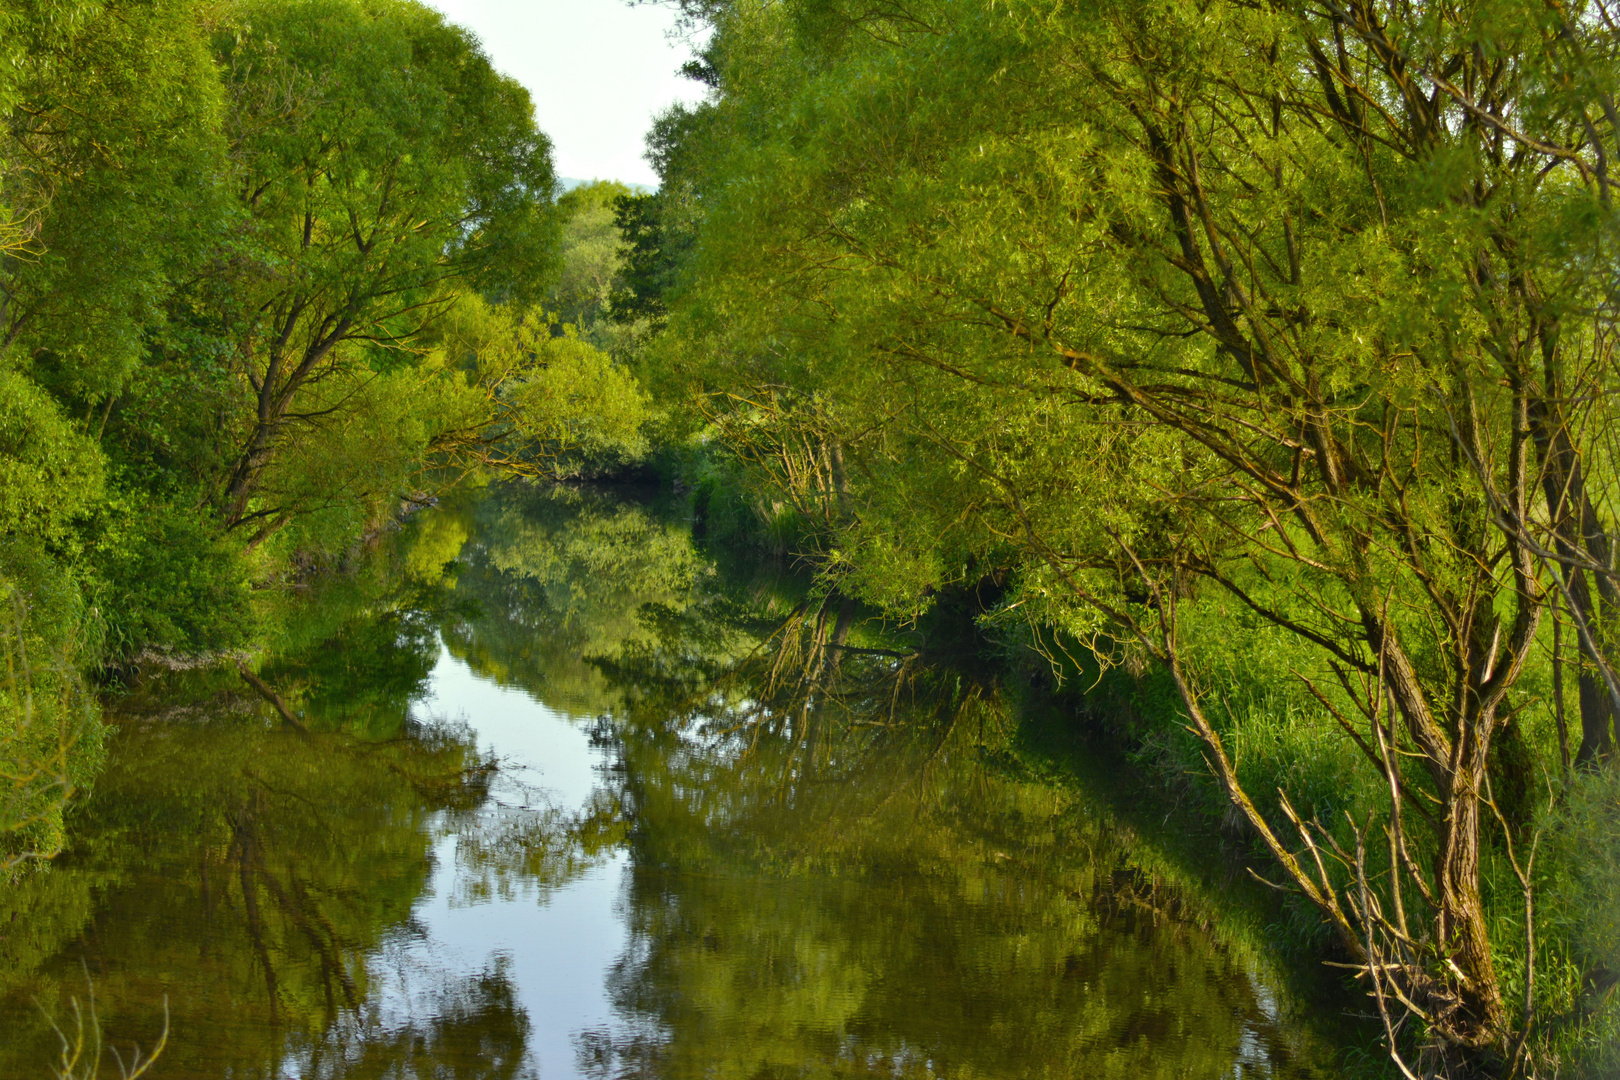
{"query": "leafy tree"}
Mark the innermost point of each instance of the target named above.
(544, 401)
(112, 145)
(382, 167)
(589, 262)
(163, 577)
(1203, 305)
(105, 151)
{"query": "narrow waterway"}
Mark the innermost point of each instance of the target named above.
(570, 797)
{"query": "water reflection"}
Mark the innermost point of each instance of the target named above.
(565, 796)
(839, 871)
(248, 872)
(563, 577)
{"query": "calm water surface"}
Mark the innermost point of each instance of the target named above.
(571, 799)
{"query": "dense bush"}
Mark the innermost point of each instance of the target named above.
(165, 581)
(51, 734)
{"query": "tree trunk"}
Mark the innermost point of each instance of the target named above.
(1479, 1019)
(245, 473)
(1579, 536)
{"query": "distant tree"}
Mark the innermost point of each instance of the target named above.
(589, 262)
(659, 228)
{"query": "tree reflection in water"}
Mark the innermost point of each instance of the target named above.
(251, 871)
(841, 869)
(839, 861)
(562, 576)
(479, 1032)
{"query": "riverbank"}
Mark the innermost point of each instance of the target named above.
(1118, 704)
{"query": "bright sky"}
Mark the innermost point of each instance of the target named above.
(598, 71)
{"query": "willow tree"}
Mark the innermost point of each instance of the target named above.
(382, 168)
(106, 144)
(108, 151)
(1274, 306)
(105, 140)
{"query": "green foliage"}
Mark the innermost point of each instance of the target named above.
(552, 403)
(50, 473)
(384, 168)
(898, 884)
(1203, 343)
(659, 229)
(330, 852)
(561, 577)
(649, 260)
(1583, 852)
(167, 582)
(228, 236)
(577, 398)
(112, 150)
(1580, 912)
(589, 263)
(51, 734)
(386, 112)
(841, 854)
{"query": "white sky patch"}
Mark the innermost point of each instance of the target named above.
(599, 70)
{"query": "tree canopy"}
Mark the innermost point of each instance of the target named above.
(1293, 319)
(269, 273)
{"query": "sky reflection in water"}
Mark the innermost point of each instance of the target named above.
(493, 857)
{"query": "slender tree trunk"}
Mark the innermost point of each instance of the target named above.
(275, 397)
(1558, 691)
(1469, 1007)
(1579, 536)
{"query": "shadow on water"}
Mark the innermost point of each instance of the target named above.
(834, 858)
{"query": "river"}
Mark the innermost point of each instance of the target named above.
(569, 795)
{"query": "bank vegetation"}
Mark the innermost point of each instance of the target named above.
(1253, 366)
